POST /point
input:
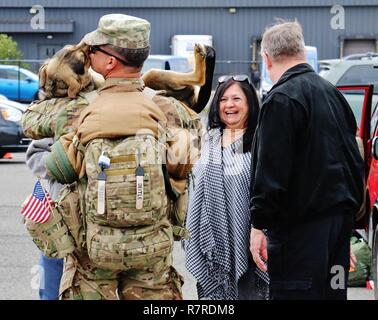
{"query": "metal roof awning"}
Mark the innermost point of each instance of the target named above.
(181, 4)
(25, 26)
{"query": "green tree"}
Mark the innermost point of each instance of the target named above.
(8, 49)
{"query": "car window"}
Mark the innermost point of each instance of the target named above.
(28, 74)
(355, 101)
(22, 76)
(362, 74)
(3, 74)
(11, 75)
(374, 122)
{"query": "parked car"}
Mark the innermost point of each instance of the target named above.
(341, 66)
(326, 65)
(362, 97)
(357, 69)
(12, 138)
(351, 70)
(372, 185)
(18, 83)
(167, 62)
(356, 76)
(358, 56)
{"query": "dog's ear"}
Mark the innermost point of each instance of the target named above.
(77, 66)
(43, 74)
(78, 60)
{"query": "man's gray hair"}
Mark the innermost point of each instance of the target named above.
(284, 39)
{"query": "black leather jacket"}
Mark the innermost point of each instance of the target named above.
(305, 161)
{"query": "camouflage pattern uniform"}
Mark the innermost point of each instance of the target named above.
(158, 282)
(52, 118)
(83, 279)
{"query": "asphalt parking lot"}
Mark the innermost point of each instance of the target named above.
(19, 256)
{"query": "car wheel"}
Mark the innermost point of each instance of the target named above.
(375, 263)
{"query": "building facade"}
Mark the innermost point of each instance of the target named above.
(236, 26)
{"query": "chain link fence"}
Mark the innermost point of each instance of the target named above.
(32, 65)
(17, 83)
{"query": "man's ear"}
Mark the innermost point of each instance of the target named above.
(112, 62)
(267, 60)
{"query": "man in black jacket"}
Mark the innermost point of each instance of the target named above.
(307, 175)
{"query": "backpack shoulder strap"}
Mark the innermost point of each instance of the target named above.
(149, 93)
(90, 96)
(171, 193)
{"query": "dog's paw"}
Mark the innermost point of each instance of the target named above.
(200, 50)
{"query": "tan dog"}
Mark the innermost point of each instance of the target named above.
(68, 72)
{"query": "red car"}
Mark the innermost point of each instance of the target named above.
(364, 104)
(372, 185)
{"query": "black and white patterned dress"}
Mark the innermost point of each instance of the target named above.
(217, 254)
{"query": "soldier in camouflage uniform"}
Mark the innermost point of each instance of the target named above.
(51, 119)
(119, 47)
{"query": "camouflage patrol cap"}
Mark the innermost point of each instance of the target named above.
(120, 30)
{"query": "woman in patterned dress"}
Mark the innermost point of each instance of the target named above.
(217, 254)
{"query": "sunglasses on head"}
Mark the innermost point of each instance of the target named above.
(238, 78)
(94, 49)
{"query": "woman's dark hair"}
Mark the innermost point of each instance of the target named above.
(253, 102)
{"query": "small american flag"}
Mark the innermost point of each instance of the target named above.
(39, 205)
